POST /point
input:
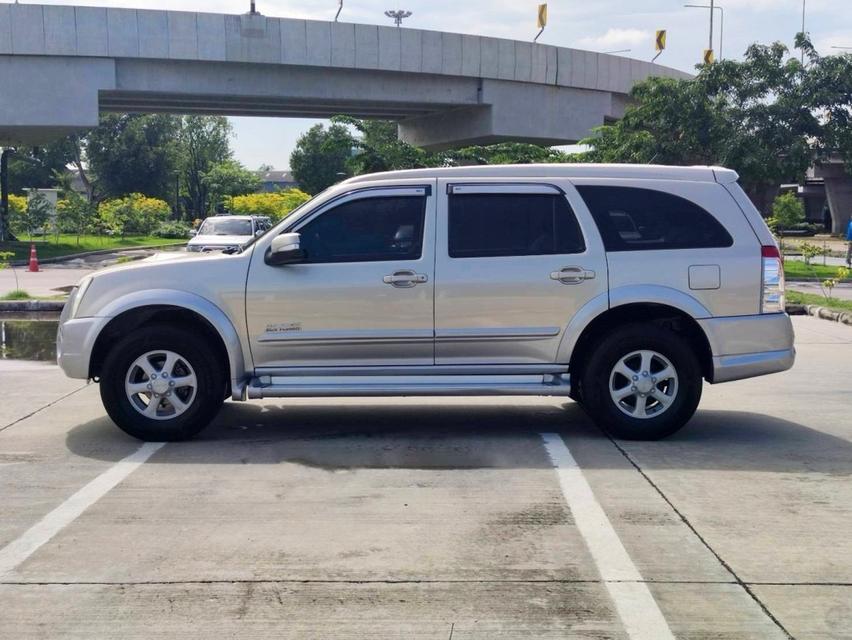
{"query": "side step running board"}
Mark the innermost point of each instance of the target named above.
(340, 386)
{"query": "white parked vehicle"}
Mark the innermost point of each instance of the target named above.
(624, 287)
(227, 232)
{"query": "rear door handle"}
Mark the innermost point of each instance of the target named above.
(572, 275)
(405, 279)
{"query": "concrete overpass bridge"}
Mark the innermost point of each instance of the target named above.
(62, 65)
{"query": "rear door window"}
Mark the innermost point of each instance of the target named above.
(506, 224)
(635, 219)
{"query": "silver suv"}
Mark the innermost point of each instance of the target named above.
(227, 232)
(623, 287)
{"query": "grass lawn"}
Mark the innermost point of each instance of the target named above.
(798, 269)
(794, 297)
(63, 245)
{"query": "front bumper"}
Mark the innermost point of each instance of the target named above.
(749, 346)
(75, 340)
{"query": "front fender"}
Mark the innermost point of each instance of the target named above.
(186, 300)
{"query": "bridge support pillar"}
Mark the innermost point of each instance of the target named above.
(838, 191)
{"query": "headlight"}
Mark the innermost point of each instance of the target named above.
(77, 296)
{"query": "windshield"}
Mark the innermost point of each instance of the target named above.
(225, 227)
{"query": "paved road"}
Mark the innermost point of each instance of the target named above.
(463, 518)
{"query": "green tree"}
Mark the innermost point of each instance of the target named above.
(504, 153)
(74, 214)
(734, 113)
(322, 156)
(134, 154)
(229, 178)
(378, 148)
(828, 86)
(204, 141)
(37, 167)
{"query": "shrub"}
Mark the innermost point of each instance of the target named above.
(276, 205)
(787, 212)
(133, 214)
(17, 214)
(172, 229)
(29, 215)
(17, 294)
(810, 251)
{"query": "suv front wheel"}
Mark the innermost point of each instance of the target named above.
(162, 384)
(642, 382)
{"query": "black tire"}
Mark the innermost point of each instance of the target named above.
(626, 340)
(195, 351)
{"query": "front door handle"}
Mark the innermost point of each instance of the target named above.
(572, 275)
(405, 279)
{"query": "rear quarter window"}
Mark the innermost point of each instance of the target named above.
(636, 219)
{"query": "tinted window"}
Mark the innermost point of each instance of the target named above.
(632, 219)
(367, 230)
(483, 225)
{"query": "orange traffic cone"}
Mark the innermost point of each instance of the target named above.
(33, 259)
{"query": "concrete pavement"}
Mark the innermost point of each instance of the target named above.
(45, 283)
(436, 518)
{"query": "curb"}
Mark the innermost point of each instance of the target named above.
(30, 306)
(99, 252)
(844, 317)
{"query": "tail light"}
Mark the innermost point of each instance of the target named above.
(772, 300)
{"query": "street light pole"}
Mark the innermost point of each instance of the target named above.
(712, 15)
(398, 16)
(721, 11)
(804, 5)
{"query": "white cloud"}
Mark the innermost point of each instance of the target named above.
(616, 37)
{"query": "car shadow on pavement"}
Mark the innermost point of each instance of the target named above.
(416, 435)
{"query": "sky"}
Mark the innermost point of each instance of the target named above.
(597, 25)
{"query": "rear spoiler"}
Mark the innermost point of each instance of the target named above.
(725, 176)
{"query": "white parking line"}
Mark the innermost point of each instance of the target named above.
(14, 553)
(639, 613)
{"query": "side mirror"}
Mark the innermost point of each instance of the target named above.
(193, 233)
(258, 233)
(285, 249)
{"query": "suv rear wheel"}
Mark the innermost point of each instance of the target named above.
(642, 382)
(162, 384)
